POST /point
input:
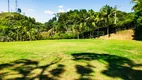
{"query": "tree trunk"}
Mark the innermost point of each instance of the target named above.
(66, 27)
(98, 33)
(83, 35)
(93, 33)
(108, 28)
(78, 35)
(108, 31)
(17, 36)
(90, 35)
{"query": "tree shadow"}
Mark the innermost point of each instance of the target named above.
(24, 68)
(117, 66)
(84, 71)
(59, 70)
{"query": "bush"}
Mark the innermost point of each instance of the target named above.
(5, 39)
(138, 33)
(64, 36)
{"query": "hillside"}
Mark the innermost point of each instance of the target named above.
(18, 27)
(121, 35)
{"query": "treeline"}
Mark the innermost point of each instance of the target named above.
(75, 24)
(17, 27)
(87, 23)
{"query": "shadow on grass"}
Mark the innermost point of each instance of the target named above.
(84, 71)
(23, 69)
(117, 66)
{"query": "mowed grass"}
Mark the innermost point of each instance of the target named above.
(90, 59)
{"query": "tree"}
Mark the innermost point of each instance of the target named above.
(18, 27)
(107, 12)
(138, 19)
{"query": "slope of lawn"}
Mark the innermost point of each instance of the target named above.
(120, 35)
(94, 59)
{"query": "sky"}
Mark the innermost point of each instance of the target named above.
(43, 10)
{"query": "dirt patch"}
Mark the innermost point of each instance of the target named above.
(121, 35)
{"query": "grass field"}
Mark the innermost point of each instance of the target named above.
(91, 59)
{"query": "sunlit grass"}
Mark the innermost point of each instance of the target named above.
(60, 51)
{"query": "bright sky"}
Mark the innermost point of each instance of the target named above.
(43, 10)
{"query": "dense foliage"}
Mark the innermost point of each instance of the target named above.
(17, 27)
(138, 19)
(88, 24)
(75, 24)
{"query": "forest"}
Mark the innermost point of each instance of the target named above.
(74, 24)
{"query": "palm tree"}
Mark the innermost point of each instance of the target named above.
(91, 22)
(107, 11)
(75, 19)
(138, 4)
(99, 22)
(83, 18)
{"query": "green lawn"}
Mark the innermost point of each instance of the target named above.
(71, 60)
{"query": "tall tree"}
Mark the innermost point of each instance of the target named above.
(138, 19)
(107, 12)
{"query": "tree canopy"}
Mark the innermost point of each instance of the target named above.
(17, 27)
(88, 23)
(138, 19)
(74, 24)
